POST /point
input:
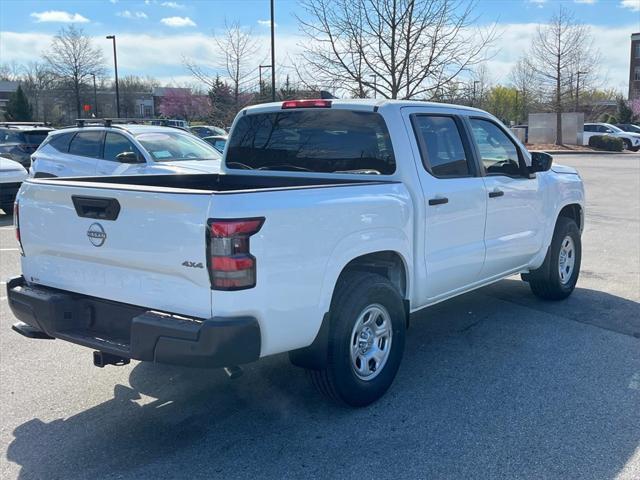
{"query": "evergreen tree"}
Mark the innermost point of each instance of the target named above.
(18, 107)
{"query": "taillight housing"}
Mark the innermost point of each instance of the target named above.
(231, 265)
(16, 224)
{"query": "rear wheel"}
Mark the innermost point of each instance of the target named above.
(366, 340)
(558, 275)
(627, 144)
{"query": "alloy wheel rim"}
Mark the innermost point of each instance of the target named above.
(566, 259)
(371, 339)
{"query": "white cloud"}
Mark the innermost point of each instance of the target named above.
(163, 54)
(589, 2)
(538, 2)
(266, 23)
(633, 5)
(172, 5)
(113, 1)
(178, 22)
(132, 15)
(58, 16)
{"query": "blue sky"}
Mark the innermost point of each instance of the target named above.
(154, 36)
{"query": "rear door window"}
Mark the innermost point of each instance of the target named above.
(323, 141)
(441, 147)
(87, 144)
(35, 137)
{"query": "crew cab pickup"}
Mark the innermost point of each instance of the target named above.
(330, 223)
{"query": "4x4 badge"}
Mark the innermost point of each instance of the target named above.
(97, 235)
(189, 264)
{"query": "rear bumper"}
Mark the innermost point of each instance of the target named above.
(135, 332)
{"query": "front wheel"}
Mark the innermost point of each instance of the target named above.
(366, 340)
(558, 275)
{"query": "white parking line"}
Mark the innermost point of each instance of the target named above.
(9, 249)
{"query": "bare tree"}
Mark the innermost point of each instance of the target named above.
(72, 58)
(559, 50)
(238, 61)
(397, 48)
(38, 81)
(524, 79)
(10, 71)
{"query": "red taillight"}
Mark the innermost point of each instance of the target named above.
(306, 104)
(231, 265)
(16, 224)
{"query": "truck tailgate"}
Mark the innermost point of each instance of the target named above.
(152, 254)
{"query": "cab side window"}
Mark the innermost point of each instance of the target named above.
(441, 147)
(115, 144)
(498, 154)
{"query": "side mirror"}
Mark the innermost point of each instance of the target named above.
(540, 162)
(128, 157)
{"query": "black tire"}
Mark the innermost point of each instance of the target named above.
(627, 144)
(8, 209)
(545, 282)
(355, 292)
(635, 149)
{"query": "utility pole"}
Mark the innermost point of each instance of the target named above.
(115, 62)
(260, 67)
(95, 96)
(273, 56)
(578, 89)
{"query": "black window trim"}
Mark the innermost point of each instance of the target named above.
(524, 171)
(464, 137)
(101, 132)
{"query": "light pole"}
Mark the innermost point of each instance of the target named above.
(115, 63)
(260, 67)
(273, 56)
(475, 82)
(578, 89)
(95, 96)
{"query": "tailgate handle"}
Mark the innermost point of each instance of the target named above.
(96, 207)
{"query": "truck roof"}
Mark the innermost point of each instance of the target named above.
(371, 103)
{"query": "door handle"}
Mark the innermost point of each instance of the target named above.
(438, 201)
(496, 193)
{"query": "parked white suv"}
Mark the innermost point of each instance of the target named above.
(631, 140)
(127, 149)
(331, 222)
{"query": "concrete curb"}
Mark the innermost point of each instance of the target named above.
(581, 152)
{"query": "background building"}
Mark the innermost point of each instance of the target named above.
(634, 67)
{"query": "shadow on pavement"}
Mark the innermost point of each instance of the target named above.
(488, 388)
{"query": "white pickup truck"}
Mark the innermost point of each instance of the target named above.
(331, 222)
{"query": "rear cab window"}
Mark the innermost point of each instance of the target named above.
(314, 140)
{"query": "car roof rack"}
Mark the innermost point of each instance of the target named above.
(24, 124)
(108, 122)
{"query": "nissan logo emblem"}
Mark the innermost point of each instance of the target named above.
(96, 234)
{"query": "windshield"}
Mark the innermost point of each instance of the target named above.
(176, 146)
(324, 141)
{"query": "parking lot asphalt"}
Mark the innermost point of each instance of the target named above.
(494, 384)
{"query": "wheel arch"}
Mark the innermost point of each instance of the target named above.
(389, 261)
(573, 211)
